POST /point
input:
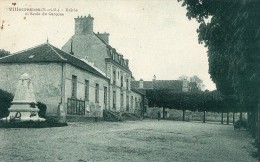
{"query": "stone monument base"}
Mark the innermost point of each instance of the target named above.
(21, 112)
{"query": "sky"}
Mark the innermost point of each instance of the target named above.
(155, 35)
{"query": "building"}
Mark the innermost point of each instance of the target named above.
(172, 85)
(87, 76)
(58, 77)
(94, 47)
(165, 85)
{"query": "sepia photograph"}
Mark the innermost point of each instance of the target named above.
(129, 80)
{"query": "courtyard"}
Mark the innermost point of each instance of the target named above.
(147, 140)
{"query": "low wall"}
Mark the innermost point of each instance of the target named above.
(174, 114)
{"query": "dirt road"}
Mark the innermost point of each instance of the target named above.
(147, 140)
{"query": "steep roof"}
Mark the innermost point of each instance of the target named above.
(110, 51)
(48, 53)
(174, 85)
(146, 84)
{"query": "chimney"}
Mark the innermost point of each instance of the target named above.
(71, 47)
(127, 62)
(84, 25)
(141, 83)
(104, 37)
(154, 78)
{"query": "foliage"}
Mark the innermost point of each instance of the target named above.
(5, 103)
(4, 53)
(42, 109)
(230, 31)
(198, 81)
(240, 124)
(199, 101)
(195, 83)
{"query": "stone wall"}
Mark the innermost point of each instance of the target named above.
(89, 47)
(117, 87)
(92, 108)
(136, 107)
(174, 114)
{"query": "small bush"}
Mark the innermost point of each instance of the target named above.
(240, 124)
(5, 102)
(42, 107)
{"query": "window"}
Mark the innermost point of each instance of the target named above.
(132, 102)
(122, 101)
(114, 99)
(74, 87)
(127, 103)
(105, 96)
(122, 81)
(114, 77)
(127, 84)
(136, 102)
(97, 93)
(86, 90)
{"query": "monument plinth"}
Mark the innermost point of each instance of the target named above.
(23, 106)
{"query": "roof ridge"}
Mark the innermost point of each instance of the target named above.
(79, 59)
(106, 44)
(68, 53)
(22, 51)
(168, 80)
(101, 39)
(55, 51)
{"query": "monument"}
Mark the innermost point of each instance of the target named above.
(24, 106)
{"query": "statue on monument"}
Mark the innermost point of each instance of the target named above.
(24, 106)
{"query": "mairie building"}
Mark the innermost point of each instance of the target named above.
(86, 76)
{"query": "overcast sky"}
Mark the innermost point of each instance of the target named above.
(154, 35)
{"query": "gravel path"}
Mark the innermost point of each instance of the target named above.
(147, 140)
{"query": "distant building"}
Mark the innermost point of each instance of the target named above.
(172, 85)
(164, 85)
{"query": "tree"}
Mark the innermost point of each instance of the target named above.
(198, 81)
(199, 101)
(5, 99)
(195, 83)
(230, 31)
(4, 53)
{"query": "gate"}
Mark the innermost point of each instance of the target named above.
(75, 107)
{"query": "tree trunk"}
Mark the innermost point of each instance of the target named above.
(163, 115)
(258, 125)
(227, 118)
(204, 117)
(222, 116)
(233, 118)
(249, 118)
(241, 114)
(183, 115)
(253, 122)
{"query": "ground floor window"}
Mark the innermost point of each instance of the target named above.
(97, 93)
(114, 99)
